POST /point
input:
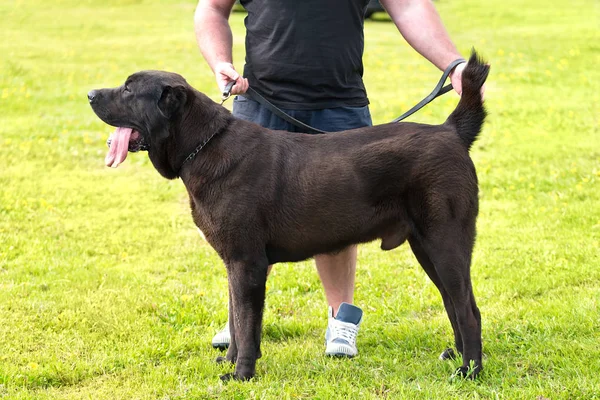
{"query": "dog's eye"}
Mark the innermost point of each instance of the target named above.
(126, 89)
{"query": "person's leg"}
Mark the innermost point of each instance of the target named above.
(337, 273)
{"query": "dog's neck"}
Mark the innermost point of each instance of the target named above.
(211, 121)
(198, 148)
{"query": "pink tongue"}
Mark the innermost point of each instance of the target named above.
(117, 153)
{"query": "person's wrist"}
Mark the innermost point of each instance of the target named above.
(456, 67)
(223, 64)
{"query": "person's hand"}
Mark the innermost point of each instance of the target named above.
(225, 73)
(456, 79)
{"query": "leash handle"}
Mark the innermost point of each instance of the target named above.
(437, 91)
(227, 91)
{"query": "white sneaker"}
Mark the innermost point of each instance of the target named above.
(222, 338)
(340, 338)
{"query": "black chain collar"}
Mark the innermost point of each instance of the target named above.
(199, 148)
(226, 95)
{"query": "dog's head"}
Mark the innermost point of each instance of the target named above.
(145, 109)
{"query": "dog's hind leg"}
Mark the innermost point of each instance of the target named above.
(449, 248)
(429, 268)
(247, 281)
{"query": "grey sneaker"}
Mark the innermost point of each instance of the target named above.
(222, 338)
(340, 338)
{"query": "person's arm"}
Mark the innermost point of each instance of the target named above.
(213, 33)
(421, 26)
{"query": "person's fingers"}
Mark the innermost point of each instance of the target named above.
(236, 89)
(240, 87)
(225, 73)
(227, 70)
(457, 85)
(230, 73)
(456, 77)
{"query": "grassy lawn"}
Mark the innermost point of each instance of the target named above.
(107, 291)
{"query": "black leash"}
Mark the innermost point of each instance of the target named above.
(254, 95)
(437, 91)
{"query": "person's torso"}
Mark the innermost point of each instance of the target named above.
(306, 54)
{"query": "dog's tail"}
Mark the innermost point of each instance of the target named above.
(470, 113)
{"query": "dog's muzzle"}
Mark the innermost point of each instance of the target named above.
(134, 145)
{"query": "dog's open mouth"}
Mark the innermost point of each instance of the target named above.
(123, 140)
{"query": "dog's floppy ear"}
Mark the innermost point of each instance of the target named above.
(172, 100)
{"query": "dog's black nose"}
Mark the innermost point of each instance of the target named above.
(92, 95)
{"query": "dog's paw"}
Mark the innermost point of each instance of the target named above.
(448, 354)
(226, 377)
(465, 372)
(236, 377)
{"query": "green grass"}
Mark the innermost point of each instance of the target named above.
(107, 292)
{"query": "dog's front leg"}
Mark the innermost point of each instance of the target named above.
(247, 280)
(231, 355)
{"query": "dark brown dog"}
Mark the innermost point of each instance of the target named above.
(263, 197)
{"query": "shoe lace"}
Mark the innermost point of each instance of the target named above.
(344, 330)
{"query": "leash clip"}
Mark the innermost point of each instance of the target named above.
(227, 92)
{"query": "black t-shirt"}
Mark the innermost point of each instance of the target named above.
(306, 54)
